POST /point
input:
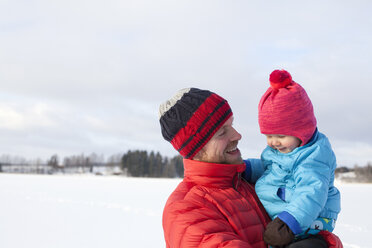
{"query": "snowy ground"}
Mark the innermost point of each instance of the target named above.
(90, 211)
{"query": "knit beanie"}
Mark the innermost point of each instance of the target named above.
(191, 117)
(286, 109)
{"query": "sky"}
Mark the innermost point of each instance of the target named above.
(78, 77)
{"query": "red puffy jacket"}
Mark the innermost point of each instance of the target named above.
(211, 207)
(332, 240)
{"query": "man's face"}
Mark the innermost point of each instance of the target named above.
(222, 147)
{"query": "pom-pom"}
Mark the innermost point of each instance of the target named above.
(280, 79)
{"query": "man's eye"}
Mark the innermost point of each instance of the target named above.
(221, 134)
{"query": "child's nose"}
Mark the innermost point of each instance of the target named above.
(276, 142)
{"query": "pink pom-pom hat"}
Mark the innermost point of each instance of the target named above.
(286, 109)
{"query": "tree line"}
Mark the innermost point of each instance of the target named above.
(144, 164)
(136, 163)
(360, 174)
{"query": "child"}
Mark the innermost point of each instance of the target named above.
(296, 170)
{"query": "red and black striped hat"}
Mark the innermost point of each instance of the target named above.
(191, 117)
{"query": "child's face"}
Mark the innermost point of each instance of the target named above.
(282, 143)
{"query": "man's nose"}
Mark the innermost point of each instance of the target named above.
(236, 135)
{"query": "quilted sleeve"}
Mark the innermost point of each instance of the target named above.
(188, 225)
(332, 239)
(254, 169)
(310, 195)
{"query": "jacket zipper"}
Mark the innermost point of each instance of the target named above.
(237, 182)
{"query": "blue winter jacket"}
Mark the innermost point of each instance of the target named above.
(297, 187)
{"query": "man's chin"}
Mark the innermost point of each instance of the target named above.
(234, 158)
(238, 161)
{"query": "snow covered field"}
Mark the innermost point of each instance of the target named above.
(38, 211)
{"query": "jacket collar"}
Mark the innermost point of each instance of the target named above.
(211, 174)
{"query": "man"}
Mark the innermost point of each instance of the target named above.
(212, 206)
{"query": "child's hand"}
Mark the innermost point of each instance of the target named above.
(277, 233)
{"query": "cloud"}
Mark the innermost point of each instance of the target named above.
(9, 118)
(81, 76)
(20, 117)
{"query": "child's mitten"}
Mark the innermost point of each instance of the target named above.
(277, 233)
